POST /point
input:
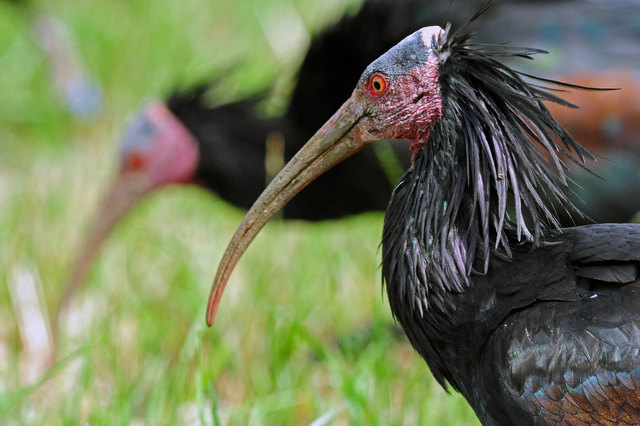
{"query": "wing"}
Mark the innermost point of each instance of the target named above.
(575, 361)
(579, 361)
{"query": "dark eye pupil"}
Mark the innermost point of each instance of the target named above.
(377, 85)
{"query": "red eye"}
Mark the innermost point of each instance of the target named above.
(378, 83)
(135, 161)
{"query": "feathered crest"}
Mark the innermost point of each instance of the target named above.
(495, 146)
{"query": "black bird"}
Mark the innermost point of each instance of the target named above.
(531, 322)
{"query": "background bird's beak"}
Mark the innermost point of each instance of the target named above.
(336, 140)
(128, 188)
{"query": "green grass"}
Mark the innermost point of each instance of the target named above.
(304, 331)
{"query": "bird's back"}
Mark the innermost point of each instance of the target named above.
(232, 143)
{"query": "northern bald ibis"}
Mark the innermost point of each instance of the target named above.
(531, 322)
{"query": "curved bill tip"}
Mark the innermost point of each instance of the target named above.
(216, 294)
(237, 246)
(330, 145)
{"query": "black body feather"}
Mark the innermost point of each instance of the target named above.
(524, 318)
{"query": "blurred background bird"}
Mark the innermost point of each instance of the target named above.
(52, 171)
(77, 90)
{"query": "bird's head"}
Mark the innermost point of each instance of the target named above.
(397, 97)
(156, 150)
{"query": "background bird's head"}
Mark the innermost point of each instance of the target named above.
(156, 150)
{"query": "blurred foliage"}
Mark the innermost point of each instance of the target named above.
(304, 332)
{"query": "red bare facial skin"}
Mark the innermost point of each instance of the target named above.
(173, 157)
(397, 98)
(412, 120)
(410, 104)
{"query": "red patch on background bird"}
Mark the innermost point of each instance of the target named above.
(134, 162)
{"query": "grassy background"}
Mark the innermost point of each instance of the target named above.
(304, 332)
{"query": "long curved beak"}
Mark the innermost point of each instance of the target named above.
(336, 140)
(125, 191)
